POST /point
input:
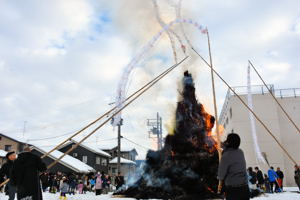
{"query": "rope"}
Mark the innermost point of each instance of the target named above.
(242, 101)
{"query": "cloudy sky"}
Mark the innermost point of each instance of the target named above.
(61, 61)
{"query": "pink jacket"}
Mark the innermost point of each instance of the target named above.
(80, 187)
(98, 184)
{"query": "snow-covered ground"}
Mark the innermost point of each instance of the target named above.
(289, 194)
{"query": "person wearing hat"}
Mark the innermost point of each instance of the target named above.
(232, 170)
(5, 171)
(25, 175)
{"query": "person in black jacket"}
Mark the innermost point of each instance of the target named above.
(280, 178)
(260, 178)
(252, 174)
(119, 181)
(297, 176)
(45, 181)
(5, 171)
(25, 175)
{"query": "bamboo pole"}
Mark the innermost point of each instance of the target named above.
(215, 106)
(214, 98)
(243, 102)
(101, 125)
(105, 114)
(156, 79)
(284, 111)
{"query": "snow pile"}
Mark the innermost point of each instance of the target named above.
(68, 161)
(288, 195)
(123, 161)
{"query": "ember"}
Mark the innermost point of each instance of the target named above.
(186, 168)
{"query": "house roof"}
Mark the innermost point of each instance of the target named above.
(125, 147)
(67, 160)
(15, 139)
(90, 147)
(3, 153)
(123, 161)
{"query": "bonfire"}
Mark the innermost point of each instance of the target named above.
(186, 167)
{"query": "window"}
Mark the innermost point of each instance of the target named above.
(7, 148)
(230, 113)
(0, 138)
(227, 120)
(75, 155)
(104, 162)
(98, 160)
(84, 159)
(113, 170)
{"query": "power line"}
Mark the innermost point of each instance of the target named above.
(92, 142)
(147, 148)
(49, 138)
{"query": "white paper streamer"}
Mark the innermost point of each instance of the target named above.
(259, 156)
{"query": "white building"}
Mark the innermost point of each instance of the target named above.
(235, 118)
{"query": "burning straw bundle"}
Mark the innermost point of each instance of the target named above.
(186, 168)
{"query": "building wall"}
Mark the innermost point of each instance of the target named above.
(126, 169)
(129, 155)
(91, 157)
(266, 108)
(6, 141)
(289, 134)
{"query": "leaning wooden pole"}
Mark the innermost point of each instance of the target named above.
(245, 104)
(214, 98)
(102, 116)
(146, 87)
(117, 112)
(280, 106)
(215, 105)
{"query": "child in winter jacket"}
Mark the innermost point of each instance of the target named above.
(80, 187)
(267, 184)
(64, 190)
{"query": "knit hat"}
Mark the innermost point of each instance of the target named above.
(233, 141)
(9, 153)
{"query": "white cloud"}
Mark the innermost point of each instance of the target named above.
(60, 65)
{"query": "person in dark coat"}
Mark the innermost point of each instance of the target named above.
(45, 181)
(6, 170)
(297, 176)
(25, 175)
(232, 170)
(119, 181)
(267, 184)
(260, 178)
(252, 174)
(280, 177)
(72, 184)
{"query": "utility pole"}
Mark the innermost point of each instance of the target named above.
(156, 130)
(120, 123)
(119, 145)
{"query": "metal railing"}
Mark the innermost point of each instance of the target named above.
(258, 89)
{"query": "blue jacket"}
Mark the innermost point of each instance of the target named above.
(272, 175)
